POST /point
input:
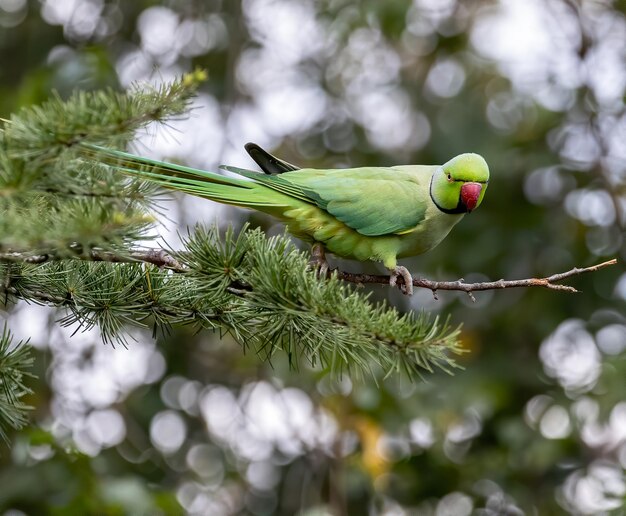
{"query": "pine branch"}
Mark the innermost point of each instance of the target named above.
(51, 202)
(45, 131)
(55, 206)
(257, 288)
(254, 287)
(14, 360)
(160, 258)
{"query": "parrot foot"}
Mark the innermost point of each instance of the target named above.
(407, 287)
(318, 260)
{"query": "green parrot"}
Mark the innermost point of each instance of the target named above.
(369, 213)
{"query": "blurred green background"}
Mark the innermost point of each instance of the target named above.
(535, 423)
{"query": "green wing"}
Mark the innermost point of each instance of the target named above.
(372, 201)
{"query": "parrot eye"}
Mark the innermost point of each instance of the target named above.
(449, 177)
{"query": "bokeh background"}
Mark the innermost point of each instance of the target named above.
(535, 423)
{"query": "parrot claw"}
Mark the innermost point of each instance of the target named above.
(318, 260)
(407, 286)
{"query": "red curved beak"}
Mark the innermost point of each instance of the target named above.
(470, 193)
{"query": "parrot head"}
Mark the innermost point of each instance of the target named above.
(459, 185)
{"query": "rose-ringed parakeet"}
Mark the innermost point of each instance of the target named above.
(369, 213)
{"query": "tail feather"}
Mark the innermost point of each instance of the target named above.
(139, 166)
(269, 164)
(193, 181)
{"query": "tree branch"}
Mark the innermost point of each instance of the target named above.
(156, 257)
(161, 259)
(547, 282)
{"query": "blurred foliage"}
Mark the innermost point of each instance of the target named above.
(536, 421)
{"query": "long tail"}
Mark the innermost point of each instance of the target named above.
(228, 190)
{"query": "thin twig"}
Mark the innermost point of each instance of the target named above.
(460, 285)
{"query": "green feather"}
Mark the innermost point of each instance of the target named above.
(373, 201)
